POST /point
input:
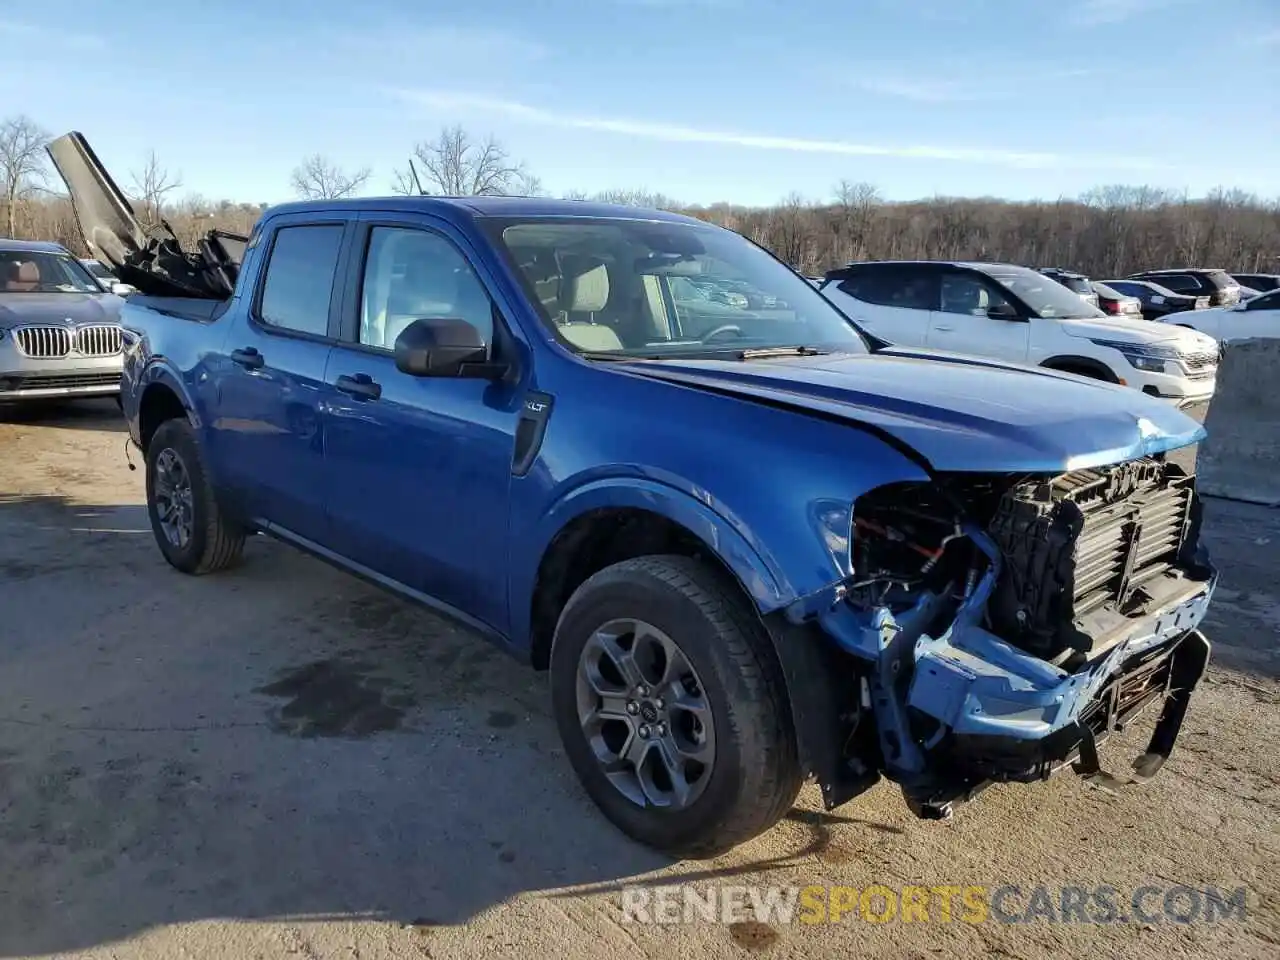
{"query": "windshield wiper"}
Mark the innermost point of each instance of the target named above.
(758, 353)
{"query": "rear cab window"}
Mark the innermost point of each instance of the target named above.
(297, 284)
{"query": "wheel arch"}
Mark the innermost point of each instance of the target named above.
(159, 401)
(612, 521)
(1085, 366)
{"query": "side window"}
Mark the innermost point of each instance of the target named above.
(1180, 283)
(969, 295)
(892, 288)
(299, 279)
(1268, 301)
(417, 275)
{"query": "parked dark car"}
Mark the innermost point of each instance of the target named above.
(1075, 282)
(749, 551)
(1116, 303)
(1157, 301)
(1248, 293)
(1219, 286)
(1262, 282)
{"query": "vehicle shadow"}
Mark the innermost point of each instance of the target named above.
(280, 741)
(95, 414)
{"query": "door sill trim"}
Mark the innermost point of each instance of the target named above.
(390, 584)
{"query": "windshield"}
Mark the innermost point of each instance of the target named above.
(655, 288)
(1045, 296)
(31, 271)
(1078, 285)
(97, 269)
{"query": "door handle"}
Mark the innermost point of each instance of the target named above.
(947, 328)
(360, 385)
(248, 357)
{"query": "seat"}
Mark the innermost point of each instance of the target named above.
(21, 276)
(586, 290)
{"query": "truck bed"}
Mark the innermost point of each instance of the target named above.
(150, 258)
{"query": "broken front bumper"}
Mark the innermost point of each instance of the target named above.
(992, 712)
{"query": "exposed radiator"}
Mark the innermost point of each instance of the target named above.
(1082, 540)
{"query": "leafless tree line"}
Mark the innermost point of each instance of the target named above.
(1108, 232)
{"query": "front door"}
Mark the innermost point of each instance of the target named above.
(419, 468)
(265, 418)
(977, 318)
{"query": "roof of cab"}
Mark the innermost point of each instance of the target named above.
(34, 246)
(481, 207)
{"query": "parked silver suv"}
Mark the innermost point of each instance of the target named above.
(59, 330)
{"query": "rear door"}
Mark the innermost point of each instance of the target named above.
(976, 316)
(1260, 317)
(892, 301)
(419, 469)
(266, 417)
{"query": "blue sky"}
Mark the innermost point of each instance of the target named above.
(703, 100)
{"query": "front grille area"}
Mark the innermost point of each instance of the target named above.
(60, 382)
(54, 343)
(1083, 540)
(100, 340)
(1200, 366)
(43, 343)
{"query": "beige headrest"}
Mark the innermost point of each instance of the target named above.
(590, 336)
(585, 292)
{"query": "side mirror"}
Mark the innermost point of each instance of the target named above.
(1002, 311)
(442, 347)
(123, 289)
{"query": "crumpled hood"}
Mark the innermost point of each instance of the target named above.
(1133, 331)
(958, 413)
(59, 308)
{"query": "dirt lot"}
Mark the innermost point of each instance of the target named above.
(282, 761)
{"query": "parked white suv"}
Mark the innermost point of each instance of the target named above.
(1015, 314)
(1256, 317)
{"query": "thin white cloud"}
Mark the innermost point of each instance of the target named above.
(1270, 38)
(924, 90)
(1098, 12)
(456, 43)
(465, 103)
(20, 32)
(972, 87)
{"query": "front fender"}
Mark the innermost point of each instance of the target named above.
(143, 376)
(760, 574)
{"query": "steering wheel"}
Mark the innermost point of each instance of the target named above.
(723, 328)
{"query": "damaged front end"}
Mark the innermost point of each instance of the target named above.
(996, 627)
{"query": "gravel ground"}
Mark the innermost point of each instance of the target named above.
(282, 761)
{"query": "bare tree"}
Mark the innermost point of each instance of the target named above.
(316, 178)
(455, 165)
(22, 162)
(151, 185)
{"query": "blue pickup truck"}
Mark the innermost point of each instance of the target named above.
(751, 545)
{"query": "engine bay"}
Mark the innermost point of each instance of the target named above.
(1078, 549)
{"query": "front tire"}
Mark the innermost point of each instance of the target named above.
(190, 529)
(672, 708)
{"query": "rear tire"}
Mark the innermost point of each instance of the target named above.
(751, 775)
(190, 528)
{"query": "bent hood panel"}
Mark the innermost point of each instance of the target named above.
(958, 414)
